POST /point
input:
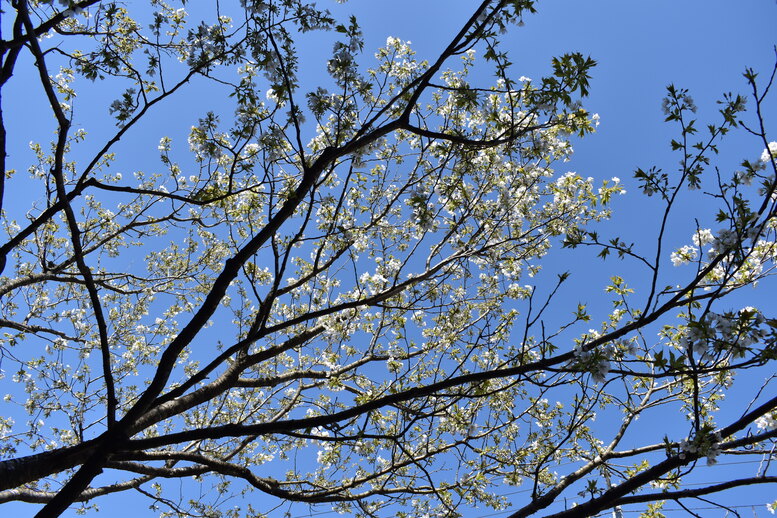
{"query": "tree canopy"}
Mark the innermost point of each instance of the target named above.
(333, 294)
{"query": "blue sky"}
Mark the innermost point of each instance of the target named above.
(640, 47)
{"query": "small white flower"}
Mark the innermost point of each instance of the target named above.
(744, 178)
(767, 422)
(712, 454)
(770, 152)
(702, 237)
(684, 255)
(725, 240)
(600, 371)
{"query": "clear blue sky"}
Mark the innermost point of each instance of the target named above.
(702, 45)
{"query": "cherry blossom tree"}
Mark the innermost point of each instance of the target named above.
(332, 294)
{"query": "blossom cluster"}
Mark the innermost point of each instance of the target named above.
(423, 209)
(324, 456)
(595, 361)
(71, 7)
(206, 43)
(767, 422)
(722, 242)
(770, 152)
(708, 445)
(730, 331)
